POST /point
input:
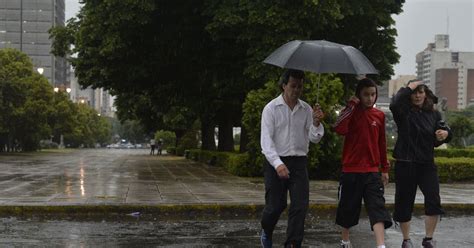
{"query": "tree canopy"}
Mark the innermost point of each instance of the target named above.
(161, 58)
(30, 111)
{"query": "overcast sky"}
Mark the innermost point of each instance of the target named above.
(416, 26)
(421, 20)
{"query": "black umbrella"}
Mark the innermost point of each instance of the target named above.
(321, 56)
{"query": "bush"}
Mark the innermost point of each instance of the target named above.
(188, 141)
(171, 150)
(179, 151)
(450, 153)
(168, 137)
(449, 169)
(235, 163)
(454, 153)
(455, 169)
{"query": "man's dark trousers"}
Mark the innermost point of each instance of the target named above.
(276, 198)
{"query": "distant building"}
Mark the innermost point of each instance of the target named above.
(24, 25)
(395, 84)
(383, 100)
(449, 73)
(98, 99)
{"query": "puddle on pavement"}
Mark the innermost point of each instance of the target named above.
(453, 231)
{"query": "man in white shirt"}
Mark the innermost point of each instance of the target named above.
(288, 124)
(152, 146)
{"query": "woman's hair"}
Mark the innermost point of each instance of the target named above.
(366, 83)
(430, 100)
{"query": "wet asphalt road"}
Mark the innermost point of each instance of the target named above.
(453, 232)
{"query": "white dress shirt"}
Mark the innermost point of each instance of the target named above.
(286, 132)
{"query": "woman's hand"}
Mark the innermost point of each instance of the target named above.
(441, 134)
(414, 84)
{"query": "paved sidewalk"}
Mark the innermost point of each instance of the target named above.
(132, 177)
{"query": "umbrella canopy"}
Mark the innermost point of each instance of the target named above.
(321, 56)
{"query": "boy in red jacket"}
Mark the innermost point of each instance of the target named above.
(364, 152)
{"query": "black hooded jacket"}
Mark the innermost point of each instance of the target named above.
(416, 130)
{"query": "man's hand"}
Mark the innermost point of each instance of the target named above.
(385, 179)
(283, 172)
(318, 115)
(441, 134)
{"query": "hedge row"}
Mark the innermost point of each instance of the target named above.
(454, 153)
(450, 153)
(235, 163)
(455, 169)
(175, 151)
(450, 169)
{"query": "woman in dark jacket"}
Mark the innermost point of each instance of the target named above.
(420, 129)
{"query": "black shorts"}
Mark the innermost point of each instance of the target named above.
(353, 187)
(408, 176)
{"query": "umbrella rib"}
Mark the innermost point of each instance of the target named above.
(292, 54)
(350, 60)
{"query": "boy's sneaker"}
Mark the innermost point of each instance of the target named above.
(428, 243)
(265, 240)
(407, 244)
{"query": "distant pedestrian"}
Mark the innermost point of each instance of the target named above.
(152, 145)
(420, 129)
(287, 126)
(365, 150)
(159, 146)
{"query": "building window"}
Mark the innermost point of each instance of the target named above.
(455, 57)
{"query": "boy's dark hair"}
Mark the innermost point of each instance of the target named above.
(366, 83)
(290, 73)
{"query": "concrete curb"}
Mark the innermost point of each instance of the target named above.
(196, 211)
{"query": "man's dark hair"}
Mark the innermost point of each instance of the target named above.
(366, 83)
(290, 73)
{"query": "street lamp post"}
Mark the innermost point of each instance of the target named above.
(57, 89)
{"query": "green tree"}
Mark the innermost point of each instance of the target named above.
(133, 131)
(206, 55)
(62, 116)
(32, 124)
(91, 129)
(25, 98)
(462, 127)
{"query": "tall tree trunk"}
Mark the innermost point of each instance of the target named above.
(207, 135)
(226, 138)
(244, 140)
(179, 134)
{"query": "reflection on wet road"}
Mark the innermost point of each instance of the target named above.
(453, 232)
(131, 176)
